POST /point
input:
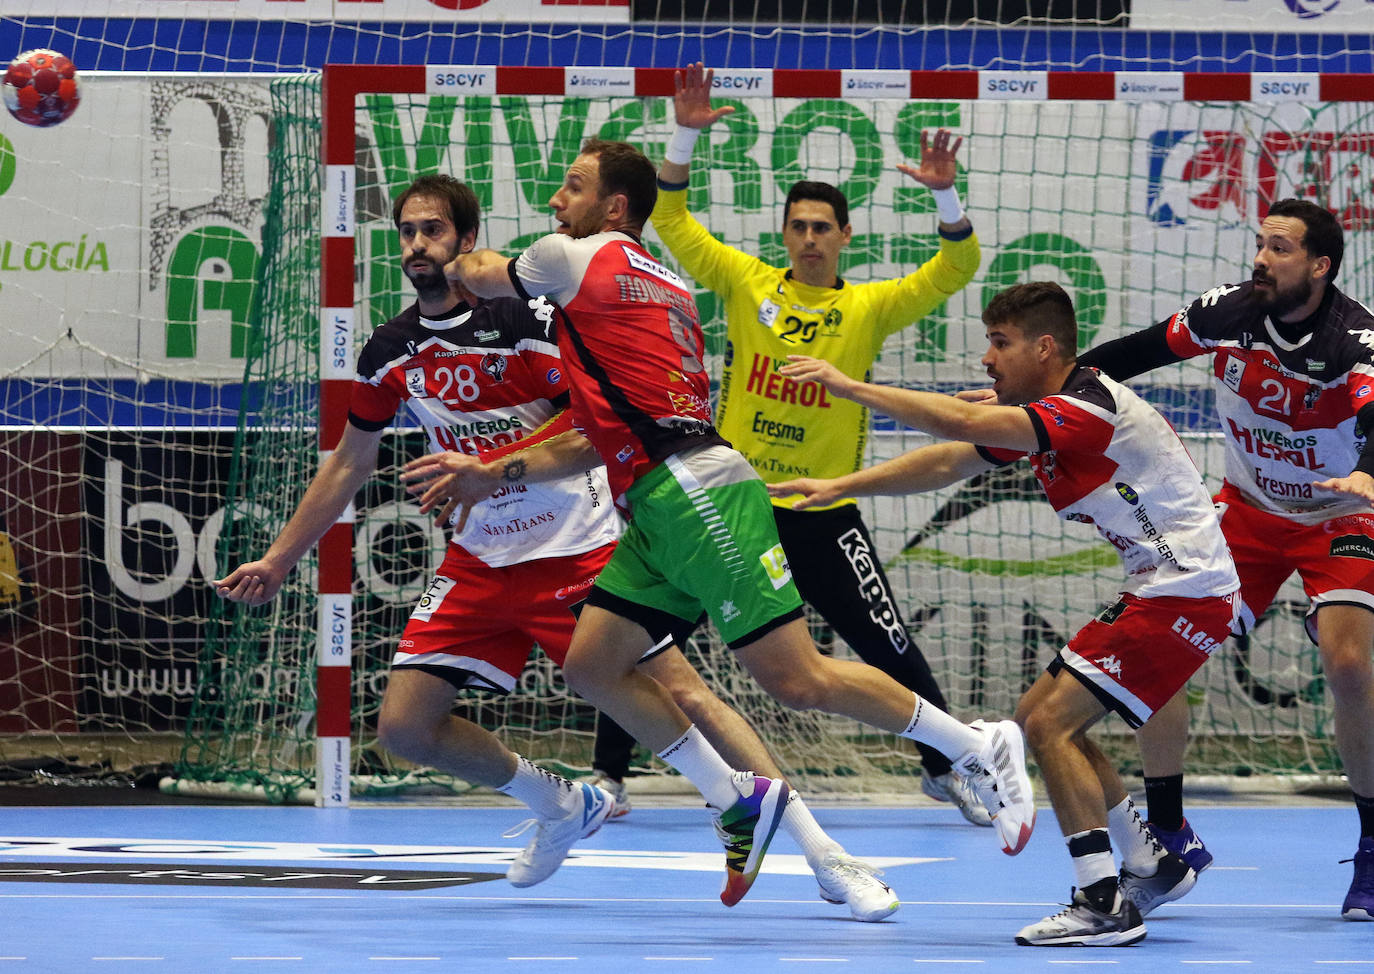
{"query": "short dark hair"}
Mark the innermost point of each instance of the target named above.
(463, 207)
(822, 193)
(1323, 236)
(624, 169)
(1037, 308)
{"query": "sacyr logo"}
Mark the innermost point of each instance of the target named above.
(1307, 9)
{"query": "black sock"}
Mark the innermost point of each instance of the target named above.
(1101, 895)
(1164, 802)
(1365, 806)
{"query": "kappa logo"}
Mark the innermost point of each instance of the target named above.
(1110, 664)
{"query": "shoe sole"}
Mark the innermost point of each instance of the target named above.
(873, 916)
(1017, 748)
(770, 811)
(1358, 913)
(1114, 938)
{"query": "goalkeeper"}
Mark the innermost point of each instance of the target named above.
(786, 429)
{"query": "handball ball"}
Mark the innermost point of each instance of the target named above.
(40, 87)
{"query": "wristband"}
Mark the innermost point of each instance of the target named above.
(947, 205)
(680, 147)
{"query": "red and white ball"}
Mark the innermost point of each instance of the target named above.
(40, 87)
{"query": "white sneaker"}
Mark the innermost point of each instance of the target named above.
(844, 879)
(553, 837)
(616, 789)
(1079, 925)
(997, 774)
(949, 787)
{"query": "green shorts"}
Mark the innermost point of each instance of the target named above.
(701, 536)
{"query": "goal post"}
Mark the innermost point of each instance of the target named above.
(1136, 191)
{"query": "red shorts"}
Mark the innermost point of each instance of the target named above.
(1139, 652)
(477, 624)
(1334, 560)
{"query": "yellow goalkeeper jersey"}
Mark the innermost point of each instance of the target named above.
(784, 428)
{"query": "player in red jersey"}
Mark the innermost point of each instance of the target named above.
(483, 377)
(1103, 457)
(1293, 363)
(701, 534)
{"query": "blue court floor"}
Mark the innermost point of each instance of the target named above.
(416, 888)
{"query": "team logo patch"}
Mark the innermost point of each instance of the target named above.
(1111, 613)
(415, 383)
(553, 377)
(1233, 373)
(494, 365)
(774, 562)
(1353, 546)
(768, 313)
(433, 598)
(1128, 494)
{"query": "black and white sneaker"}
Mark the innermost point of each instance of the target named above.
(1081, 925)
(1172, 879)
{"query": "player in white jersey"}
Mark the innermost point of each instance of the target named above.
(484, 378)
(1293, 368)
(1106, 458)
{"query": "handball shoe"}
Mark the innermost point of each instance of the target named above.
(844, 879)
(1081, 925)
(997, 775)
(553, 837)
(746, 828)
(1173, 877)
(1185, 844)
(1359, 902)
(616, 789)
(949, 787)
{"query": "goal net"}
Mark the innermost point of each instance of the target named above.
(161, 328)
(1134, 206)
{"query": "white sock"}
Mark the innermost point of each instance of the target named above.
(1091, 867)
(802, 826)
(692, 756)
(932, 726)
(548, 795)
(1140, 853)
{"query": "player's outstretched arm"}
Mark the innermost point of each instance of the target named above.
(336, 483)
(937, 172)
(451, 481)
(693, 112)
(945, 416)
(481, 272)
(927, 468)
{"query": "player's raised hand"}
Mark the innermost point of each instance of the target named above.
(938, 168)
(1358, 484)
(814, 492)
(804, 368)
(252, 583)
(692, 97)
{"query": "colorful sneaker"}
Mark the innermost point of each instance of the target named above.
(997, 775)
(949, 787)
(616, 789)
(1359, 902)
(746, 828)
(1185, 844)
(1173, 877)
(1080, 925)
(553, 837)
(844, 879)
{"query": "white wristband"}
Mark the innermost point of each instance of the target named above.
(680, 148)
(947, 205)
